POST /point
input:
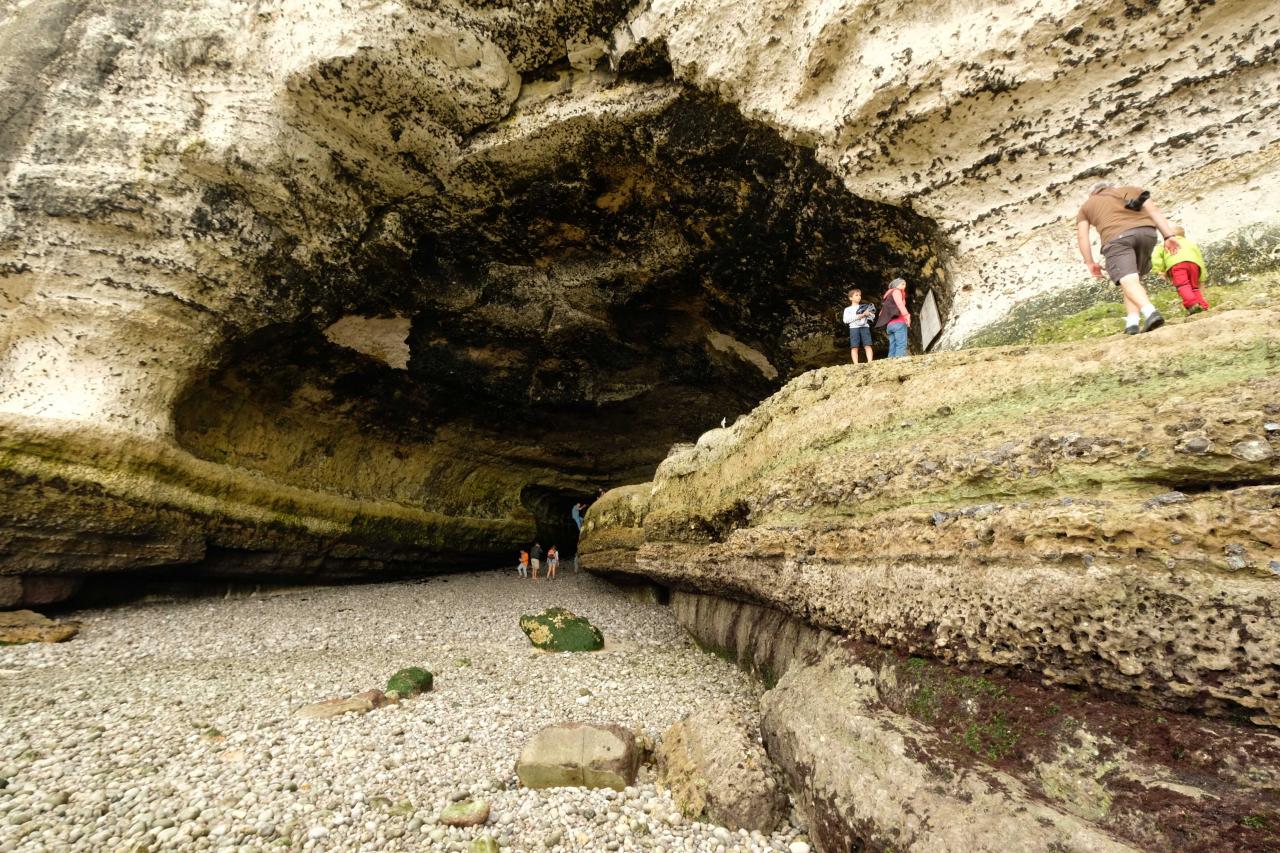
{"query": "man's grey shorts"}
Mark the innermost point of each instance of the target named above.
(1130, 253)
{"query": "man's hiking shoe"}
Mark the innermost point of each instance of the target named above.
(1131, 330)
(1153, 321)
(1194, 309)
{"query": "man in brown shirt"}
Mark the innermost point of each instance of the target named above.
(1127, 224)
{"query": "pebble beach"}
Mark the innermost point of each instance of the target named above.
(170, 724)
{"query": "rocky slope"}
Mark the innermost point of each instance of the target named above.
(932, 551)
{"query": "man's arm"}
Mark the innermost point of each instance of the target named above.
(1166, 230)
(1086, 248)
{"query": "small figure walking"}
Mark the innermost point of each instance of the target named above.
(523, 566)
(858, 317)
(895, 319)
(535, 557)
(1183, 269)
(553, 562)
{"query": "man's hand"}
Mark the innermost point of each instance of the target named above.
(1171, 245)
(1095, 269)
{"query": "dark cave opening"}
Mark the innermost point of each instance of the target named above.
(578, 300)
(552, 509)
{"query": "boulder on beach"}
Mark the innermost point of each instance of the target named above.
(718, 772)
(579, 755)
(465, 813)
(410, 681)
(558, 630)
(18, 627)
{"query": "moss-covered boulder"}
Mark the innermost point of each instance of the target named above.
(410, 681)
(558, 630)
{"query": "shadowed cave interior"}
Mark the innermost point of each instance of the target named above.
(566, 322)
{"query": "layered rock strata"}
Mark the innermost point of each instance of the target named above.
(453, 266)
(886, 751)
(1100, 515)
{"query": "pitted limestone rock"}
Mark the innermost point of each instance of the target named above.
(1025, 520)
(718, 772)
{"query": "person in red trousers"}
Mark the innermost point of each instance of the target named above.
(1184, 269)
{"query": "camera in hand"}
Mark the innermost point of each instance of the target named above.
(1135, 204)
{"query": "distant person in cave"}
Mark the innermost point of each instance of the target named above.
(858, 317)
(553, 562)
(895, 319)
(535, 557)
(578, 509)
(1183, 269)
(523, 566)
(1129, 226)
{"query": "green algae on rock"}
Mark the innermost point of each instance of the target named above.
(465, 813)
(410, 681)
(558, 630)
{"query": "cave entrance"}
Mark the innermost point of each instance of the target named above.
(571, 304)
(552, 511)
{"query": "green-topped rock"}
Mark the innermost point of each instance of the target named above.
(410, 681)
(558, 630)
(485, 844)
(465, 813)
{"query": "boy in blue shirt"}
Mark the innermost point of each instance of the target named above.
(859, 316)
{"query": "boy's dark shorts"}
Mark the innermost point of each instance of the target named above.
(859, 337)
(1130, 253)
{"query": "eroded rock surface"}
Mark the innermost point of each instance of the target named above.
(408, 279)
(878, 746)
(995, 121)
(1079, 513)
(717, 772)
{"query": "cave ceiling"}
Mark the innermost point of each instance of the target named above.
(582, 289)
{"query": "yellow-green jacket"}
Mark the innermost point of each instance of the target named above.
(1162, 260)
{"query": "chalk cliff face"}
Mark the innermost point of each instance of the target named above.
(351, 288)
(993, 120)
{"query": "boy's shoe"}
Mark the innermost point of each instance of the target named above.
(1194, 309)
(1153, 321)
(1131, 330)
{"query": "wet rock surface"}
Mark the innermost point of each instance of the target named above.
(877, 746)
